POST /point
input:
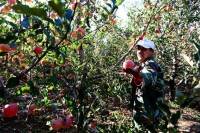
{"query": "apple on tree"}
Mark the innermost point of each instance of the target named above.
(32, 108)
(43, 62)
(5, 47)
(92, 124)
(11, 2)
(5, 9)
(57, 124)
(10, 110)
(73, 34)
(68, 121)
(37, 50)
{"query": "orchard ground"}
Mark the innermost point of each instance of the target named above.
(23, 122)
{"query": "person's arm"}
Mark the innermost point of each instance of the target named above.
(137, 78)
(134, 71)
(149, 76)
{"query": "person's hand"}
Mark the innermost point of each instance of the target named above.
(134, 71)
(128, 70)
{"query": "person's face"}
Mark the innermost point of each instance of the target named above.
(143, 54)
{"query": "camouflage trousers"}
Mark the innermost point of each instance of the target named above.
(146, 109)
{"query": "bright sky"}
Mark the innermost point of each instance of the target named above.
(123, 9)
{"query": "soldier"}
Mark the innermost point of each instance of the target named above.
(147, 83)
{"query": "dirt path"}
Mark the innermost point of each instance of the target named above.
(188, 122)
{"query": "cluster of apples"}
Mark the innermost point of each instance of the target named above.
(7, 8)
(59, 123)
(79, 31)
(5, 47)
(10, 110)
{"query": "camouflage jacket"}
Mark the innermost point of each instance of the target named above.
(152, 78)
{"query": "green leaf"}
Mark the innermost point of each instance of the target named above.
(3, 53)
(12, 82)
(57, 6)
(164, 108)
(109, 5)
(107, 11)
(19, 92)
(197, 57)
(39, 12)
(179, 93)
(7, 38)
(114, 2)
(119, 2)
(80, 117)
(196, 90)
(187, 102)
(52, 40)
(26, 88)
(80, 68)
(11, 24)
(175, 117)
(33, 90)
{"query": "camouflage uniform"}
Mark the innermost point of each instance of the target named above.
(148, 91)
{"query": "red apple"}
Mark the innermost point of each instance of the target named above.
(92, 125)
(169, 8)
(171, 26)
(32, 108)
(146, 22)
(53, 15)
(128, 64)
(43, 62)
(59, 76)
(73, 34)
(56, 124)
(10, 110)
(157, 17)
(5, 47)
(68, 121)
(144, 33)
(141, 37)
(90, 14)
(37, 50)
(157, 30)
(6, 9)
(147, 4)
(14, 59)
(81, 31)
(11, 2)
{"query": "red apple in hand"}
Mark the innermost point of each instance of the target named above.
(10, 110)
(128, 64)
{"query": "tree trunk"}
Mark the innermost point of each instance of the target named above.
(173, 75)
(172, 89)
